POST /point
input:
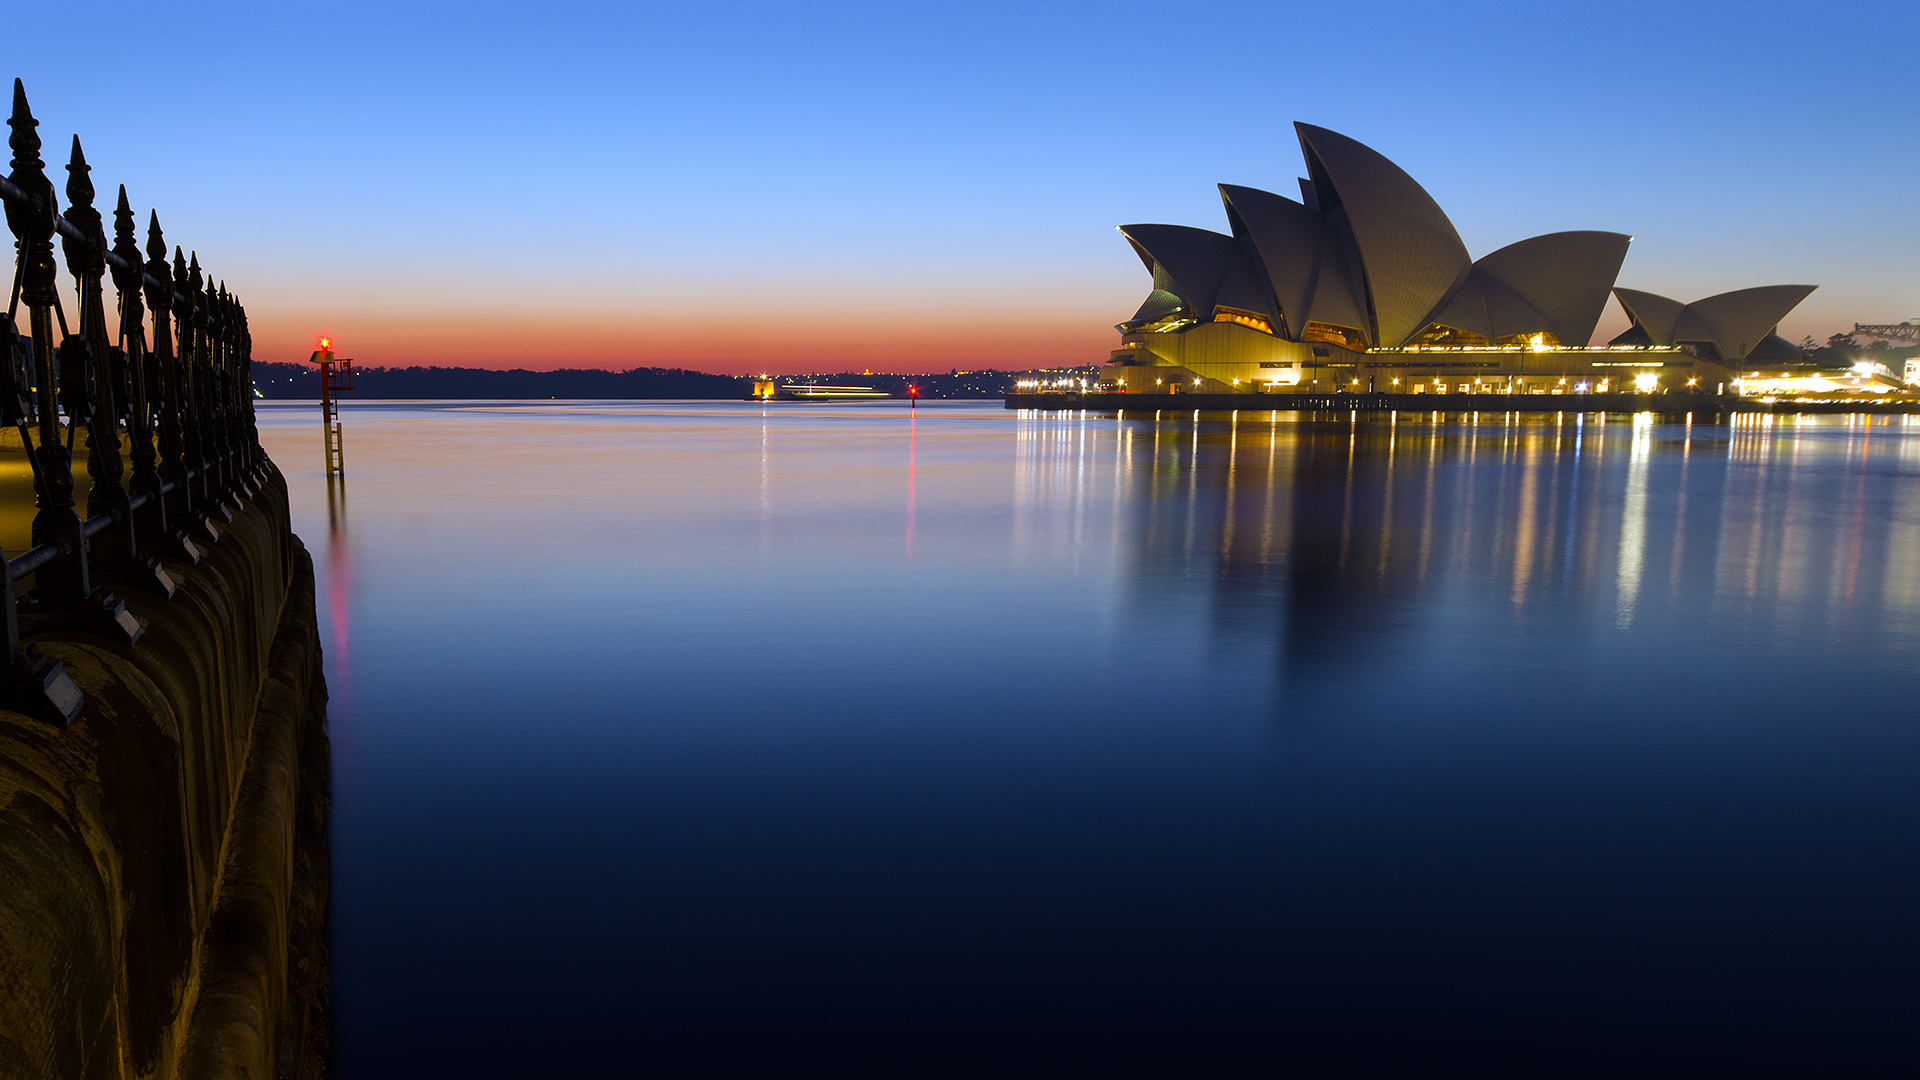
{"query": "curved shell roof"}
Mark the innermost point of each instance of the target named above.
(1193, 261)
(1411, 256)
(1287, 238)
(1733, 322)
(1774, 349)
(1564, 275)
(1303, 262)
(1368, 248)
(1158, 304)
(1487, 306)
(1742, 319)
(1652, 312)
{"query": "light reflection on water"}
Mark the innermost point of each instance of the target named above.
(694, 732)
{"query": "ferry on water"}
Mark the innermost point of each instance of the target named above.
(768, 390)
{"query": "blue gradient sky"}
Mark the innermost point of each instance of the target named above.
(780, 187)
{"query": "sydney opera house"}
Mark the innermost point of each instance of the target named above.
(1363, 285)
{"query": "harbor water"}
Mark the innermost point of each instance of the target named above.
(681, 738)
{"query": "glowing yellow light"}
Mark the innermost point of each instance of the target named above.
(1646, 384)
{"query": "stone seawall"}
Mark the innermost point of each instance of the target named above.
(163, 861)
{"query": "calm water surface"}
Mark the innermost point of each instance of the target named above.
(676, 738)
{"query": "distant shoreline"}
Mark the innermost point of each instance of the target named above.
(277, 381)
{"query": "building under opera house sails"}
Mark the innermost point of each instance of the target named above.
(1363, 285)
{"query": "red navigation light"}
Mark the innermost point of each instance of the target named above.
(326, 343)
(913, 391)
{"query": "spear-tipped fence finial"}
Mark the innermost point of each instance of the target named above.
(127, 278)
(166, 388)
(89, 258)
(190, 326)
(79, 176)
(25, 140)
(32, 221)
(187, 385)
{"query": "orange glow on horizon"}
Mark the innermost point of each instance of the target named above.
(898, 342)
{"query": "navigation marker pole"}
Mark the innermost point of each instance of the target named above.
(335, 375)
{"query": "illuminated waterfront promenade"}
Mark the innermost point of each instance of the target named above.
(1671, 404)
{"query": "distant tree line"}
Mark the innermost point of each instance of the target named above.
(1841, 350)
(275, 380)
(303, 381)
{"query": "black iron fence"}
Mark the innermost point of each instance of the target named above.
(178, 403)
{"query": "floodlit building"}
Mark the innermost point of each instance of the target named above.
(1363, 285)
(1869, 378)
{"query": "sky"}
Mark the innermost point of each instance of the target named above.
(753, 187)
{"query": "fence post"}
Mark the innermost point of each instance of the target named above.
(64, 581)
(30, 682)
(217, 400)
(255, 455)
(239, 398)
(213, 498)
(166, 372)
(185, 291)
(112, 552)
(63, 586)
(150, 521)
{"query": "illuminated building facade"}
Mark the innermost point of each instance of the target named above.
(1364, 285)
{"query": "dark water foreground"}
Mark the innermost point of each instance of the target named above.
(672, 738)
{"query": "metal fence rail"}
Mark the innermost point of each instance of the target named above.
(182, 400)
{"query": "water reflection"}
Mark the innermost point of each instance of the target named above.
(336, 506)
(338, 577)
(913, 433)
(1339, 525)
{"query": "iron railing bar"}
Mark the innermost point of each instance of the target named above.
(97, 524)
(115, 260)
(33, 560)
(72, 232)
(12, 192)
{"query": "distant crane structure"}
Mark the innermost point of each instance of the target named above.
(1908, 332)
(336, 374)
